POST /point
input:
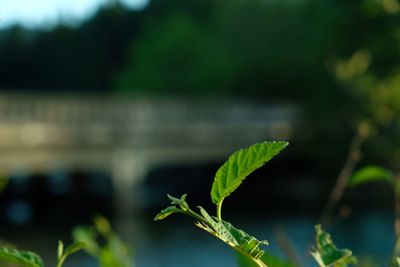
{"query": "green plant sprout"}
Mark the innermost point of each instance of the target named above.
(227, 179)
(104, 244)
(63, 254)
(31, 259)
(327, 254)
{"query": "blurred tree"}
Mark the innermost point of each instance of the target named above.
(243, 47)
(66, 58)
(179, 55)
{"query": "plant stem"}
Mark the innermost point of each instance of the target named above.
(219, 207)
(190, 212)
(396, 249)
(352, 159)
(60, 262)
(287, 246)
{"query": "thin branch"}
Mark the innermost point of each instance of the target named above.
(352, 159)
(287, 246)
(396, 249)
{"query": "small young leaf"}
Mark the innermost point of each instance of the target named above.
(247, 243)
(180, 202)
(88, 236)
(75, 247)
(243, 162)
(24, 258)
(166, 212)
(236, 238)
(327, 254)
(60, 251)
(68, 251)
(370, 174)
(220, 229)
(102, 225)
(183, 206)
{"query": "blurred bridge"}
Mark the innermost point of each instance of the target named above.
(128, 136)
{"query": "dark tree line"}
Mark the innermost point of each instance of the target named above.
(277, 49)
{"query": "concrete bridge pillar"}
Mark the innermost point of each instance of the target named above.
(129, 168)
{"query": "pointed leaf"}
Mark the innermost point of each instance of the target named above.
(179, 201)
(166, 212)
(24, 258)
(371, 174)
(60, 251)
(74, 247)
(88, 236)
(243, 162)
(102, 225)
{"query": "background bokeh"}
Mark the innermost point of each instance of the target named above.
(107, 106)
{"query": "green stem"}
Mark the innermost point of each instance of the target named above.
(196, 216)
(396, 249)
(61, 261)
(219, 207)
(352, 159)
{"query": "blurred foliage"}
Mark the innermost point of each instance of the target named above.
(327, 254)
(3, 182)
(104, 244)
(371, 76)
(371, 174)
(67, 58)
(241, 47)
(12, 257)
(271, 48)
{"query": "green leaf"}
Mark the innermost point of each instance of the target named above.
(24, 258)
(220, 230)
(239, 165)
(234, 237)
(166, 212)
(181, 202)
(88, 236)
(272, 260)
(76, 246)
(371, 174)
(327, 254)
(243, 243)
(60, 250)
(109, 250)
(247, 244)
(102, 225)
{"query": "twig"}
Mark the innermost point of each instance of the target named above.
(396, 249)
(286, 246)
(352, 159)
